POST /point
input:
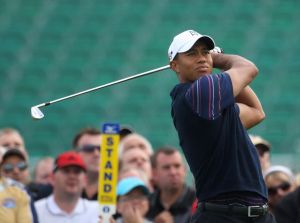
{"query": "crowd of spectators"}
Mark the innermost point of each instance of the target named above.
(151, 182)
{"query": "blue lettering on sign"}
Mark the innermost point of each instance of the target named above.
(107, 188)
(109, 141)
(106, 209)
(109, 151)
(111, 128)
(108, 165)
(108, 176)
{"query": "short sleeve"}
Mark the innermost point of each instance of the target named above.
(210, 95)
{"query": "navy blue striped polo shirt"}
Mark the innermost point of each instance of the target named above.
(215, 143)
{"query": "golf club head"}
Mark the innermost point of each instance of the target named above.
(36, 113)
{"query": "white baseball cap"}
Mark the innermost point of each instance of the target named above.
(257, 140)
(278, 168)
(185, 40)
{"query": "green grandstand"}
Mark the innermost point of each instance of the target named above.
(50, 49)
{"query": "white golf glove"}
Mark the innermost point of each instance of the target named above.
(217, 50)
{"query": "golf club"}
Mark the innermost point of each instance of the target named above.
(37, 114)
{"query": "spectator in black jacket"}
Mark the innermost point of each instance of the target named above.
(288, 209)
(173, 199)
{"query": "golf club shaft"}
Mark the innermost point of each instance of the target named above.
(105, 85)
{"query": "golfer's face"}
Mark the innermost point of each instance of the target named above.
(194, 63)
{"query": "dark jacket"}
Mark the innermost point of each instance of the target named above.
(288, 209)
(180, 210)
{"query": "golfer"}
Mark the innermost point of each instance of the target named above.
(211, 113)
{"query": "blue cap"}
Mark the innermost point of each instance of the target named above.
(127, 184)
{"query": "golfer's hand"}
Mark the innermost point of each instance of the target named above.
(217, 50)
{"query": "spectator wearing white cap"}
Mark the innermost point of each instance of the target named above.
(263, 149)
(280, 181)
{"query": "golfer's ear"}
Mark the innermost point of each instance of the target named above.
(174, 66)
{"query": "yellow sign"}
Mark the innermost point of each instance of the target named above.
(108, 174)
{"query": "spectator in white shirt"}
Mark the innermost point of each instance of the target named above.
(65, 205)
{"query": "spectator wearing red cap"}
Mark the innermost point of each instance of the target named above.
(66, 204)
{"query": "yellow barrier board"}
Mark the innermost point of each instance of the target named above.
(108, 174)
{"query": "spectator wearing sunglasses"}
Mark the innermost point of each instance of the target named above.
(15, 166)
(280, 181)
(87, 144)
(14, 202)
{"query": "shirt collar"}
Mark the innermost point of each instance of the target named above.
(56, 210)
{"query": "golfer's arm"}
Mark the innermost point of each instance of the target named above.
(240, 70)
(251, 111)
